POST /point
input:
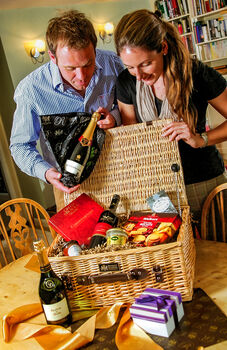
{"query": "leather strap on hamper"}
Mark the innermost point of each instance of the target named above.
(134, 274)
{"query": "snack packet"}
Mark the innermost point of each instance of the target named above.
(152, 229)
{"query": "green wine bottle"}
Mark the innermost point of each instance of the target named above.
(52, 292)
(80, 155)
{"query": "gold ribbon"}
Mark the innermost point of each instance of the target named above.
(21, 324)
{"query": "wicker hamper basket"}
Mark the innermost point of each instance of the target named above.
(135, 162)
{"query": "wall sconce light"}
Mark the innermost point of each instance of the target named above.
(106, 31)
(36, 50)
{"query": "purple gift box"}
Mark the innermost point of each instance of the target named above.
(157, 311)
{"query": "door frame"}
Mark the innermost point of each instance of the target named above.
(7, 165)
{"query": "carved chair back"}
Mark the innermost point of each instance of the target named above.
(214, 215)
(22, 221)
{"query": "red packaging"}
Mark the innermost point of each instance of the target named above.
(152, 229)
(77, 220)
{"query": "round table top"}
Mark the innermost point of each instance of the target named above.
(19, 285)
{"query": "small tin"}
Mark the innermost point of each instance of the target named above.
(116, 236)
(71, 248)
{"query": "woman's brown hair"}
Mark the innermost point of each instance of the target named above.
(70, 28)
(145, 29)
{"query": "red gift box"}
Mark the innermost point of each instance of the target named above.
(77, 220)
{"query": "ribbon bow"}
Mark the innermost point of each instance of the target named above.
(157, 301)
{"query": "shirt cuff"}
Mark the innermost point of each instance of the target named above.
(41, 169)
(116, 114)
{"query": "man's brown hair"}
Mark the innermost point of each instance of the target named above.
(71, 28)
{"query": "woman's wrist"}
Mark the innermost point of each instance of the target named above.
(204, 136)
(201, 140)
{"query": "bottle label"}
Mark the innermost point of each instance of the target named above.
(57, 311)
(101, 228)
(109, 218)
(74, 167)
(49, 284)
(84, 141)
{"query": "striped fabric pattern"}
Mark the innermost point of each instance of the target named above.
(43, 92)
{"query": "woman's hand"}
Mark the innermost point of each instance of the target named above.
(181, 131)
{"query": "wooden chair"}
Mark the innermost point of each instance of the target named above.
(22, 221)
(213, 212)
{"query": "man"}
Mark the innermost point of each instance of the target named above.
(78, 78)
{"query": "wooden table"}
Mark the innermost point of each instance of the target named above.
(19, 286)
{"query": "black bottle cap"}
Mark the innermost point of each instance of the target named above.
(115, 200)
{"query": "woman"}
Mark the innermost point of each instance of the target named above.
(162, 81)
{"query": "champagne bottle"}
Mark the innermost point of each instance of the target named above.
(80, 155)
(51, 291)
(106, 220)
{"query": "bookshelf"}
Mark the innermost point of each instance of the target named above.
(202, 25)
(210, 31)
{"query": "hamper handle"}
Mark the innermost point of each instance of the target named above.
(134, 274)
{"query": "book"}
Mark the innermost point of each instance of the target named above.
(199, 32)
(205, 32)
(176, 11)
(165, 7)
(77, 220)
(185, 6)
(180, 6)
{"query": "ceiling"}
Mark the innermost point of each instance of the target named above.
(15, 4)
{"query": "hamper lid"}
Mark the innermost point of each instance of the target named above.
(135, 162)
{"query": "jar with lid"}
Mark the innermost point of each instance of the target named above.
(116, 236)
(71, 248)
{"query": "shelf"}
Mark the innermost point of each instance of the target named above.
(211, 41)
(200, 49)
(211, 13)
(215, 59)
(178, 17)
(185, 34)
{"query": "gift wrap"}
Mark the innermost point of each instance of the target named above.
(157, 311)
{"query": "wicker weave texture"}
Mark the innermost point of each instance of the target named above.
(135, 162)
(177, 267)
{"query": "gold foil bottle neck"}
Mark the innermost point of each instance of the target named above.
(96, 116)
(39, 246)
(40, 249)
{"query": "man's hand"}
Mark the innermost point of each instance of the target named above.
(53, 177)
(108, 122)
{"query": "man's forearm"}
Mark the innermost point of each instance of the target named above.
(29, 160)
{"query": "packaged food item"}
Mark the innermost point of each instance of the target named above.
(153, 239)
(72, 248)
(139, 239)
(161, 203)
(152, 229)
(116, 236)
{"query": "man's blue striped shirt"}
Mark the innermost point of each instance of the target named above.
(43, 92)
